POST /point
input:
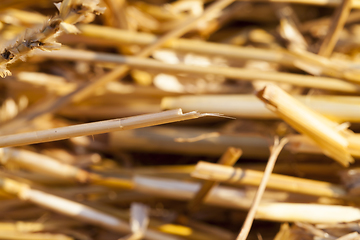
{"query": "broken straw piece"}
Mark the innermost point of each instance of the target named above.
(140, 121)
(321, 130)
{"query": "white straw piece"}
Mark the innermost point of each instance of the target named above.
(84, 213)
(42, 164)
(74, 209)
(310, 213)
(140, 121)
(337, 108)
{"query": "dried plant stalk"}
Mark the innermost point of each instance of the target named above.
(275, 151)
(320, 129)
(70, 12)
(356, 4)
(119, 36)
(161, 140)
(239, 176)
(234, 73)
(239, 199)
(52, 224)
(180, 190)
(229, 158)
(86, 90)
(97, 127)
(338, 22)
(337, 108)
(74, 209)
(41, 163)
(121, 71)
(51, 167)
(296, 212)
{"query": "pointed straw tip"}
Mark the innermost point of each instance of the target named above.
(215, 115)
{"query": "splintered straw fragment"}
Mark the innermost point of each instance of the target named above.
(140, 121)
(317, 127)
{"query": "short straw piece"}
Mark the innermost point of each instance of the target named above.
(338, 22)
(356, 3)
(320, 129)
(98, 127)
(299, 59)
(229, 72)
(229, 158)
(239, 176)
(310, 213)
(41, 163)
(5, 235)
(51, 167)
(275, 151)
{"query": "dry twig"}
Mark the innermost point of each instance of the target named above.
(275, 151)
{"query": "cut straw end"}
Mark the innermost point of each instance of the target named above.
(321, 130)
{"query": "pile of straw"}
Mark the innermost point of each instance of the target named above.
(260, 101)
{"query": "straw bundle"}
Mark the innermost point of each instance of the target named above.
(267, 146)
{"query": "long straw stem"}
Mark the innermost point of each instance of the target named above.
(229, 72)
(96, 128)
